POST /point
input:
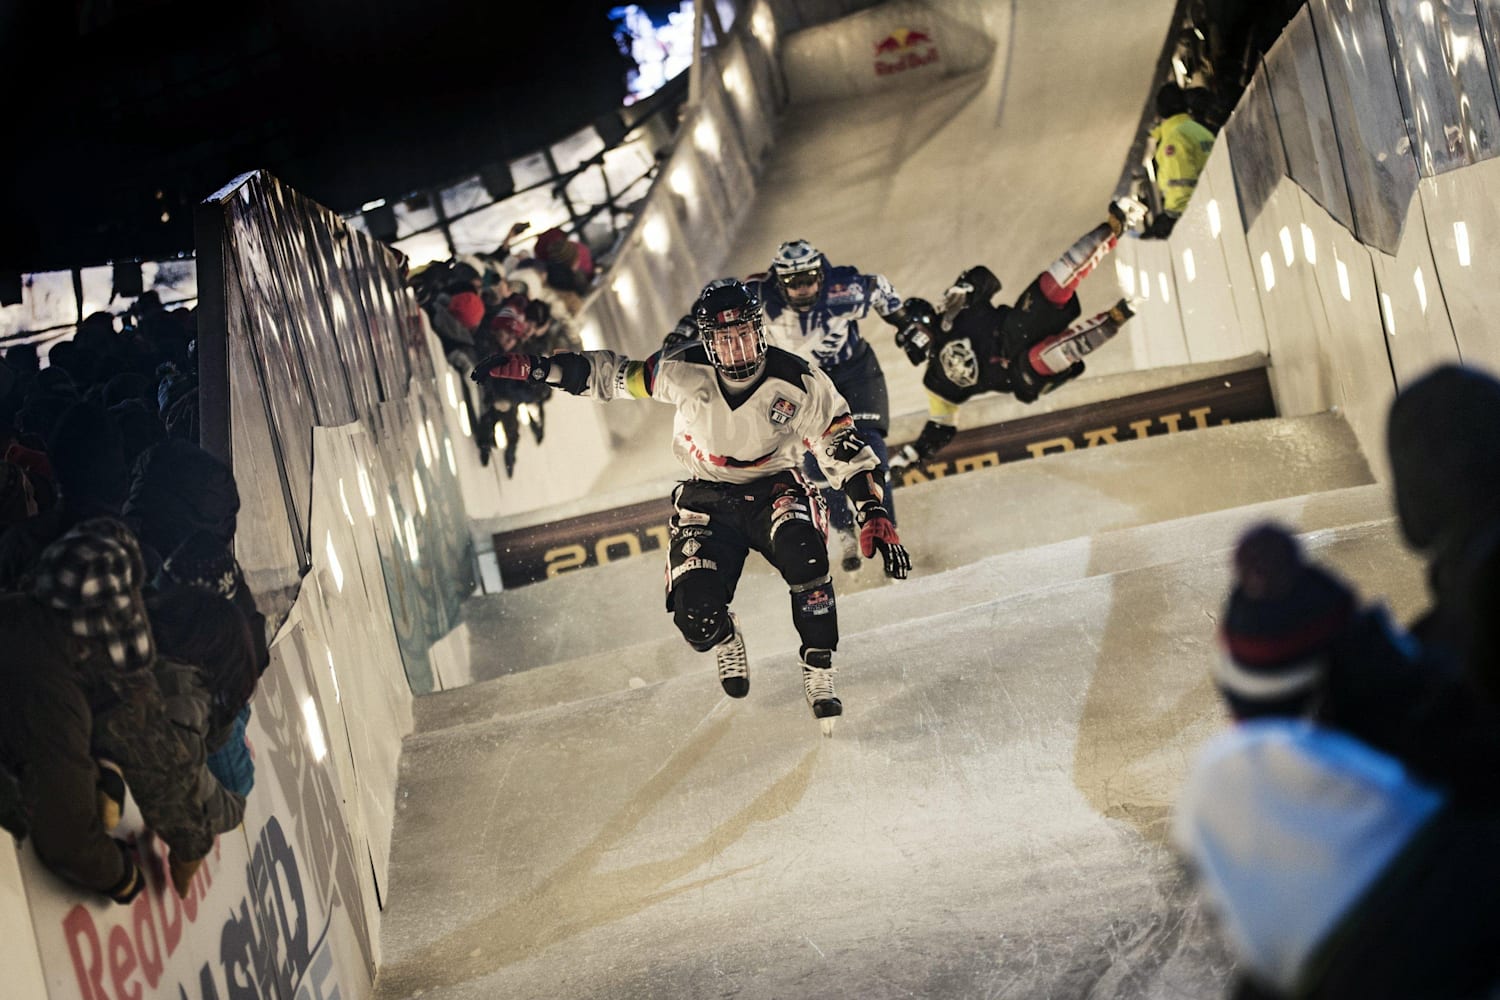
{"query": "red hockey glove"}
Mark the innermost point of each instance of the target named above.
(877, 532)
(517, 367)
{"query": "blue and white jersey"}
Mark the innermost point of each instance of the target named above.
(827, 334)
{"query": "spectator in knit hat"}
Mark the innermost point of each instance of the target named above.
(205, 560)
(78, 685)
(468, 308)
(17, 500)
(207, 673)
(1337, 870)
(87, 457)
(1298, 643)
(570, 265)
(140, 427)
(177, 488)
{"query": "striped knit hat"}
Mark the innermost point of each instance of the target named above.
(1284, 617)
(93, 574)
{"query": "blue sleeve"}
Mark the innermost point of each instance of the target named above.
(231, 763)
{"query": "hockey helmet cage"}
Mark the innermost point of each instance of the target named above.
(796, 261)
(724, 305)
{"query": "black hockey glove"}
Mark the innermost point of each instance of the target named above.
(517, 367)
(111, 789)
(1161, 227)
(876, 531)
(132, 882)
(914, 340)
(933, 439)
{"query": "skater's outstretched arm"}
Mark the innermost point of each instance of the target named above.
(601, 375)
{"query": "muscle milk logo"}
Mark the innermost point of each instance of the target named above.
(904, 49)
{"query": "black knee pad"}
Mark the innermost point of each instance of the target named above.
(704, 625)
(799, 552)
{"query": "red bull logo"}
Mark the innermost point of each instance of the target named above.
(904, 49)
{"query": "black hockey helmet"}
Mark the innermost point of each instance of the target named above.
(729, 321)
(920, 312)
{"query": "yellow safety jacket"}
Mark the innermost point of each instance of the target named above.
(1182, 147)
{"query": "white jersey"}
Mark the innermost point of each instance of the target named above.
(792, 408)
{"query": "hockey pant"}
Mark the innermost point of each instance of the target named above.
(716, 525)
(1059, 353)
(861, 382)
(1060, 281)
(1039, 337)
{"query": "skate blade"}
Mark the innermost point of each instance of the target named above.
(827, 724)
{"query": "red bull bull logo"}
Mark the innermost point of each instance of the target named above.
(904, 49)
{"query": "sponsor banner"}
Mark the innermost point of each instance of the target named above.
(1223, 399)
(273, 913)
(547, 550)
(904, 49)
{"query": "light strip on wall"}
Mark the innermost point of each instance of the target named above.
(333, 562)
(314, 729)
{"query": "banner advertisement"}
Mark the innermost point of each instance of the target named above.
(272, 913)
(528, 555)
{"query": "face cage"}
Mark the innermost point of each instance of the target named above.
(734, 366)
(799, 300)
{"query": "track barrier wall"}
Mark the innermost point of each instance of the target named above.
(1325, 233)
(1342, 222)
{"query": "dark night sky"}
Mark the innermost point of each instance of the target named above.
(110, 101)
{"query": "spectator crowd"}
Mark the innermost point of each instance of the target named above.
(482, 304)
(133, 644)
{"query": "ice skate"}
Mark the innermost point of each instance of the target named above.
(817, 684)
(1127, 215)
(849, 545)
(733, 663)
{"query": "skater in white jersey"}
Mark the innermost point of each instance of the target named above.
(746, 413)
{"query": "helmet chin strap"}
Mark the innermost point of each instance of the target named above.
(744, 381)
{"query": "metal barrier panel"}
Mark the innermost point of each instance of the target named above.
(1255, 149)
(1373, 142)
(1305, 119)
(312, 325)
(1443, 79)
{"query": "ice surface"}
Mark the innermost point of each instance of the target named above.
(597, 820)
